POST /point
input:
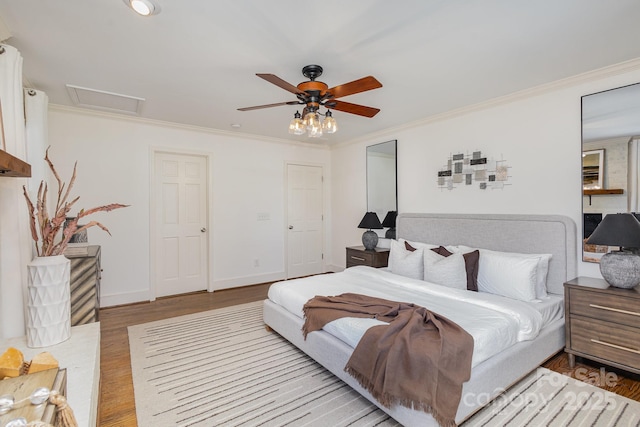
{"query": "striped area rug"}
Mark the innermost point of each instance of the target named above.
(547, 398)
(222, 368)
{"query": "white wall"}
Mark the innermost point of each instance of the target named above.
(248, 177)
(538, 133)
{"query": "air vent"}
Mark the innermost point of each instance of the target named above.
(106, 101)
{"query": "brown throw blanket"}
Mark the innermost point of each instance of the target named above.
(420, 360)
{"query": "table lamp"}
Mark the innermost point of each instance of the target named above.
(369, 237)
(619, 268)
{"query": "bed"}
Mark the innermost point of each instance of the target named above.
(492, 371)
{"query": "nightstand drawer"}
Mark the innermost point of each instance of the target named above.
(606, 340)
(357, 255)
(611, 308)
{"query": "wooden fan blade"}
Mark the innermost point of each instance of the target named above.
(257, 107)
(272, 78)
(348, 107)
(356, 86)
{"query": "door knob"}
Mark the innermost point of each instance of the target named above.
(291, 227)
(203, 229)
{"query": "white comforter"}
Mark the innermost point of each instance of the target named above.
(495, 322)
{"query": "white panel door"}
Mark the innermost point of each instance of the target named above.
(305, 217)
(180, 187)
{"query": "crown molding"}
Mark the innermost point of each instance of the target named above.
(589, 76)
(193, 128)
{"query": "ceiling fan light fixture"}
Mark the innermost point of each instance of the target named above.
(312, 122)
(329, 124)
(143, 7)
(297, 127)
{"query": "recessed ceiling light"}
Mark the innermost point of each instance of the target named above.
(236, 125)
(143, 7)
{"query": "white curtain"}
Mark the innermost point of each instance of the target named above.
(35, 110)
(633, 175)
(15, 244)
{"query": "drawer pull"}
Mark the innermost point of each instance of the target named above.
(619, 347)
(358, 258)
(617, 310)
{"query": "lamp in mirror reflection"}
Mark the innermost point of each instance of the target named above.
(370, 221)
(389, 221)
(312, 125)
(619, 268)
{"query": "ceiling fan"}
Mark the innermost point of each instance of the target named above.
(314, 94)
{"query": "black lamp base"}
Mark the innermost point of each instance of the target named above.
(369, 240)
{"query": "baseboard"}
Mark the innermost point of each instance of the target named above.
(246, 281)
(124, 298)
(334, 268)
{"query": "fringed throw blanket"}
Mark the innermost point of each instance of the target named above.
(419, 360)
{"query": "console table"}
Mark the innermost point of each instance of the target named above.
(85, 286)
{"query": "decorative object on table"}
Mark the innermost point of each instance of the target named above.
(390, 222)
(467, 169)
(619, 268)
(36, 400)
(48, 303)
(369, 237)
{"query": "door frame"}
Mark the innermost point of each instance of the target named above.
(153, 228)
(286, 213)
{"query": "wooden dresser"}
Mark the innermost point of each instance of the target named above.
(85, 286)
(602, 323)
(358, 255)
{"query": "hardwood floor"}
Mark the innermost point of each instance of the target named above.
(117, 404)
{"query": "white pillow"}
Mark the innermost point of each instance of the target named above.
(404, 262)
(542, 270)
(446, 271)
(507, 275)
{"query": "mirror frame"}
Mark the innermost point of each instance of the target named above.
(375, 148)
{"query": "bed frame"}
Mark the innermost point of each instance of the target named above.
(510, 233)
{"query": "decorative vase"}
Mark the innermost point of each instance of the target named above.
(49, 303)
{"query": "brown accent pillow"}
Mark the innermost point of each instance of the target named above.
(409, 247)
(471, 262)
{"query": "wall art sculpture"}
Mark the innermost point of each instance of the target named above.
(467, 169)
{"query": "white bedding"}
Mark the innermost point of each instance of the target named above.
(495, 322)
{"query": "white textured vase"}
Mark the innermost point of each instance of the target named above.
(49, 304)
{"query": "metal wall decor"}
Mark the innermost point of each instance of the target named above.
(465, 169)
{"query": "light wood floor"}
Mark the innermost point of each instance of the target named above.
(117, 404)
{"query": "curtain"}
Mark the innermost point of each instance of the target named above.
(633, 176)
(15, 243)
(35, 110)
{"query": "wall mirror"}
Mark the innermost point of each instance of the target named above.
(610, 140)
(382, 190)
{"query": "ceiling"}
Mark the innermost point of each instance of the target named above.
(195, 62)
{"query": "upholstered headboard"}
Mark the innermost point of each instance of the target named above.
(542, 234)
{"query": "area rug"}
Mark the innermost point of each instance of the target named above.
(547, 398)
(222, 368)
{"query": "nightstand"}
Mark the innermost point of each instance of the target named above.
(602, 323)
(358, 255)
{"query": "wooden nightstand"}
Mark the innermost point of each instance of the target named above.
(602, 323)
(358, 255)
